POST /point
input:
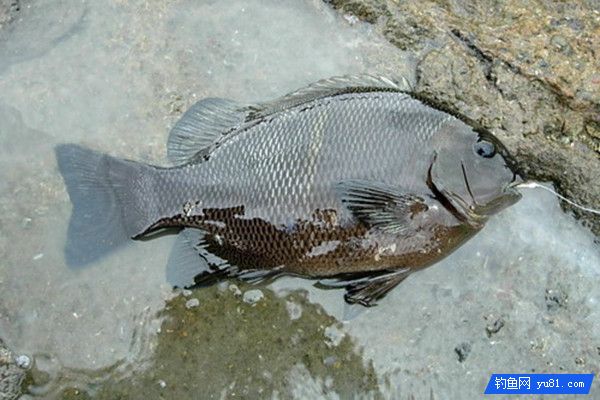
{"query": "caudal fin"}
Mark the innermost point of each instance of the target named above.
(111, 201)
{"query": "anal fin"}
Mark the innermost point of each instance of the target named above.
(190, 264)
(185, 261)
(366, 289)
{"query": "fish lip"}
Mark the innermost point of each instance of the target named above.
(513, 187)
(477, 215)
(510, 195)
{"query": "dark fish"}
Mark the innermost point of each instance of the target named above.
(354, 179)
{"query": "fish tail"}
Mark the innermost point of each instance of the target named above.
(111, 200)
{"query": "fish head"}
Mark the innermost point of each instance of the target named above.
(473, 171)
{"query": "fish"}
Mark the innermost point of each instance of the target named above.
(354, 181)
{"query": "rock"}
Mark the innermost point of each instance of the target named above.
(253, 296)
(235, 290)
(23, 362)
(526, 71)
(294, 310)
(494, 327)
(334, 335)
(191, 303)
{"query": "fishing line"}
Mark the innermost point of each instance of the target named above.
(532, 185)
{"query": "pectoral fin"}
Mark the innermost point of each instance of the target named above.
(366, 289)
(381, 206)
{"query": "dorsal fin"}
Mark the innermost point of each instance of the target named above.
(202, 126)
(329, 87)
(211, 120)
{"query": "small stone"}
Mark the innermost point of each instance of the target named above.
(235, 290)
(253, 296)
(462, 350)
(565, 139)
(334, 336)
(23, 361)
(294, 310)
(186, 292)
(351, 19)
(494, 327)
(162, 384)
(191, 303)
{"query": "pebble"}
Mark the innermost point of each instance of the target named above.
(253, 296)
(191, 303)
(294, 310)
(495, 327)
(334, 336)
(23, 361)
(235, 290)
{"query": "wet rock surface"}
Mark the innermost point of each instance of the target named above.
(241, 350)
(528, 71)
(115, 75)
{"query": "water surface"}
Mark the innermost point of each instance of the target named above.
(115, 76)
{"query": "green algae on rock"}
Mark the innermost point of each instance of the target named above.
(242, 350)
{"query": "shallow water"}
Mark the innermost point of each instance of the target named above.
(115, 76)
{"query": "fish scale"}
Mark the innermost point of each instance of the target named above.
(355, 178)
(274, 180)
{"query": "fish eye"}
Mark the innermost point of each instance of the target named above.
(484, 148)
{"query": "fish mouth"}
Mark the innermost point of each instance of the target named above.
(474, 214)
(510, 195)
